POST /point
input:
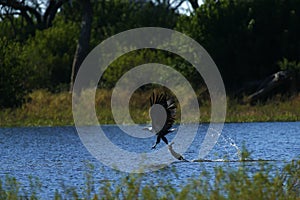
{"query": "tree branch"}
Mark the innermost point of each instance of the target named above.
(178, 5)
(24, 9)
(194, 4)
(51, 11)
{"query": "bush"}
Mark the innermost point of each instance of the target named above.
(294, 68)
(43, 61)
(14, 83)
(50, 53)
(227, 183)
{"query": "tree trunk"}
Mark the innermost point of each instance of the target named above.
(30, 12)
(194, 4)
(82, 48)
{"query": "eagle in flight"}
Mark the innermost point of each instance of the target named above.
(162, 113)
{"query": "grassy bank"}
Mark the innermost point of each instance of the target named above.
(46, 109)
(227, 183)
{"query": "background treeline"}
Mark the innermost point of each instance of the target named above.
(249, 40)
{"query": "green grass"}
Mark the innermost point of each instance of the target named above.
(273, 110)
(227, 183)
(46, 109)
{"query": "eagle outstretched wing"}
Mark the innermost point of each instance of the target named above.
(162, 113)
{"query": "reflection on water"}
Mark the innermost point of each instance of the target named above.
(57, 157)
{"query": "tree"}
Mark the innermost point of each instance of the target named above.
(37, 14)
(14, 78)
(195, 4)
(82, 48)
(175, 4)
(246, 38)
(126, 15)
(38, 61)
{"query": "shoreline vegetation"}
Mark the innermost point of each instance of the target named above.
(254, 44)
(225, 183)
(44, 108)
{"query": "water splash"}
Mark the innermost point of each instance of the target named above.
(232, 143)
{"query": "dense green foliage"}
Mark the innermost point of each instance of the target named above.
(42, 61)
(227, 183)
(13, 75)
(248, 40)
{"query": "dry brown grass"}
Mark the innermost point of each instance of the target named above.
(46, 109)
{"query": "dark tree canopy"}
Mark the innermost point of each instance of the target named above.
(249, 40)
(36, 14)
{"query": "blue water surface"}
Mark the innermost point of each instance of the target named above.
(59, 160)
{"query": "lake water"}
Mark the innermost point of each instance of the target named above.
(57, 157)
